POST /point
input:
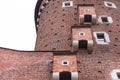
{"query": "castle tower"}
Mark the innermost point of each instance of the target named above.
(83, 32)
(76, 40)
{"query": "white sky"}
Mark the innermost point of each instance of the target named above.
(17, 28)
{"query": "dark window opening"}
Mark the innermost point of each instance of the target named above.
(65, 76)
(67, 4)
(101, 37)
(65, 62)
(88, 18)
(81, 33)
(104, 19)
(118, 75)
(109, 4)
(82, 44)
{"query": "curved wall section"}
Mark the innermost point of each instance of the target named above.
(54, 25)
(37, 7)
(54, 29)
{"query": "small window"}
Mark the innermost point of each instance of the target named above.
(109, 4)
(105, 19)
(87, 18)
(118, 75)
(81, 34)
(101, 37)
(115, 74)
(67, 4)
(65, 62)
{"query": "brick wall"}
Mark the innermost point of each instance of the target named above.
(87, 34)
(59, 67)
(54, 33)
(17, 65)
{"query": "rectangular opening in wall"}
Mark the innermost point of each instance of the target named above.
(88, 18)
(118, 75)
(101, 37)
(109, 4)
(82, 44)
(67, 4)
(65, 62)
(104, 19)
(65, 76)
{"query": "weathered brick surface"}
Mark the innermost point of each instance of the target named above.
(95, 66)
(54, 34)
(15, 65)
(83, 12)
(72, 63)
(54, 30)
(87, 34)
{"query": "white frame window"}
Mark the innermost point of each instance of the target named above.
(67, 4)
(65, 62)
(109, 4)
(102, 20)
(101, 38)
(115, 74)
